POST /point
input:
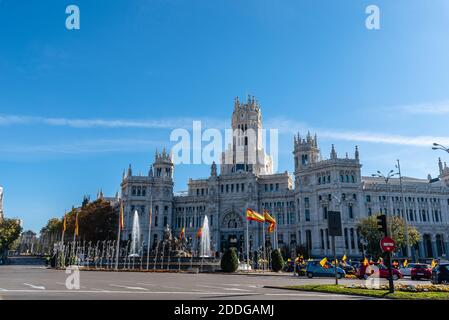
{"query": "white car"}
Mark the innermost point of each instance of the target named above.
(407, 270)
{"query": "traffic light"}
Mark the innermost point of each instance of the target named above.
(382, 223)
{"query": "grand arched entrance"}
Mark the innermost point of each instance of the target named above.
(231, 232)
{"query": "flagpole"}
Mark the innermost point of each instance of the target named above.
(247, 244)
(149, 230)
(117, 247)
(264, 253)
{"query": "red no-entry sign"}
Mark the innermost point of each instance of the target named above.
(387, 244)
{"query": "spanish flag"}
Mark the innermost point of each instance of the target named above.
(270, 220)
(199, 233)
(365, 262)
(254, 216)
(405, 263)
(64, 223)
(434, 263)
(122, 218)
(323, 262)
(183, 231)
(77, 227)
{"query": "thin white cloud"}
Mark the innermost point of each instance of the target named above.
(430, 108)
(169, 123)
(292, 127)
(80, 147)
(285, 126)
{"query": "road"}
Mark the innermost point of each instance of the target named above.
(36, 282)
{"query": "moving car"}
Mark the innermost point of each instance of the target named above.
(383, 272)
(440, 274)
(314, 269)
(406, 271)
(421, 271)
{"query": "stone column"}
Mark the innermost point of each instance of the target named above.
(422, 252)
(434, 246)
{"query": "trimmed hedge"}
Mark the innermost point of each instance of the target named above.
(277, 262)
(229, 261)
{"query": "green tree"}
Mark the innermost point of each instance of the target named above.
(229, 261)
(54, 226)
(10, 230)
(97, 220)
(277, 262)
(369, 232)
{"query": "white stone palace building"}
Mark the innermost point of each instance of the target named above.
(300, 203)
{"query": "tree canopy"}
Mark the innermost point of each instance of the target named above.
(372, 236)
(97, 220)
(10, 230)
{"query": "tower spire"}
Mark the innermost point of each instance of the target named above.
(333, 153)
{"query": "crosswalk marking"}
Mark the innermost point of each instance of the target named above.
(35, 287)
(127, 287)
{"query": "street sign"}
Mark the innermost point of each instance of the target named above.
(387, 244)
(334, 223)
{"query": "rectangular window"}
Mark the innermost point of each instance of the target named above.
(351, 212)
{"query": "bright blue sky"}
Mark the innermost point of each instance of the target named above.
(311, 64)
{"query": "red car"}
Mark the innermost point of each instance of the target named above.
(421, 271)
(383, 272)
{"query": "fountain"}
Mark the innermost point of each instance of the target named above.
(205, 239)
(135, 235)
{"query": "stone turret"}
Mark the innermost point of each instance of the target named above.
(163, 165)
(333, 153)
(305, 151)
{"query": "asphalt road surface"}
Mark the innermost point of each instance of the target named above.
(36, 282)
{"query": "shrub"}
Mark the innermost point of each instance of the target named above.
(277, 262)
(229, 260)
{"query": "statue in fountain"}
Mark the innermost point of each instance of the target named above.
(174, 244)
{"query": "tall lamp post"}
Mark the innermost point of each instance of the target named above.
(437, 146)
(407, 243)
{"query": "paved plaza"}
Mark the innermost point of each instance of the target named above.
(37, 282)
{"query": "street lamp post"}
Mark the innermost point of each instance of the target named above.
(407, 243)
(437, 146)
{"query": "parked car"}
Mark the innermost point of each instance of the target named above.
(314, 269)
(347, 268)
(406, 271)
(440, 274)
(383, 272)
(421, 271)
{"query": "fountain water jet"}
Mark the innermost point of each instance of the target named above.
(205, 239)
(135, 236)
